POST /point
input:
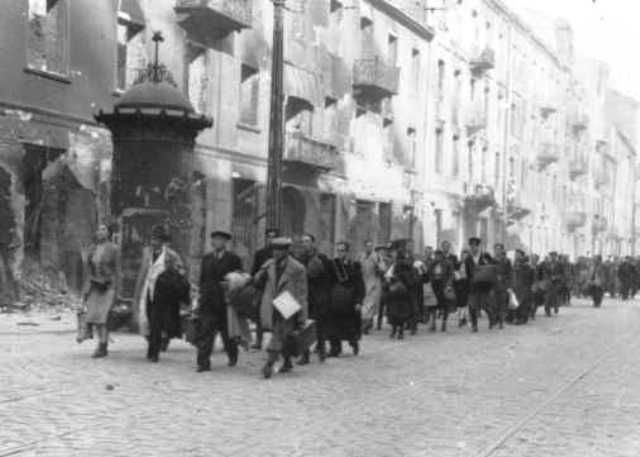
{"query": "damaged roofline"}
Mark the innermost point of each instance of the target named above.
(5, 105)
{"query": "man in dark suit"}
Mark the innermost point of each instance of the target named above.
(259, 259)
(481, 294)
(212, 308)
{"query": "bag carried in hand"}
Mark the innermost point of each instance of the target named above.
(513, 301)
(484, 274)
(298, 341)
(84, 330)
(450, 293)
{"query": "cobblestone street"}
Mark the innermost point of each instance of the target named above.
(564, 386)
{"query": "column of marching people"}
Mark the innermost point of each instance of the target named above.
(336, 300)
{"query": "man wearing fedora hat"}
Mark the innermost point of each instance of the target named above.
(212, 306)
(158, 277)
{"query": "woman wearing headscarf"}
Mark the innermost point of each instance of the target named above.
(402, 280)
(101, 286)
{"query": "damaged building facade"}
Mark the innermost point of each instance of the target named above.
(404, 118)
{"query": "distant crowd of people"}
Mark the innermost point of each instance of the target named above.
(310, 303)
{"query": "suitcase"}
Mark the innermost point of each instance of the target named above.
(302, 339)
(485, 274)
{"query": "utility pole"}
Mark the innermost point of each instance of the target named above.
(276, 122)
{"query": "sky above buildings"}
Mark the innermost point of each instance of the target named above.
(606, 30)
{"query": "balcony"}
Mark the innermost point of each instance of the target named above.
(548, 106)
(476, 120)
(312, 152)
(517, 211)
(599, 224)
(213, 19)
(547, 154)
(483, 61)
(578, 120)
(578, 166)
(373, 79)
(481, 197)
(600, 177)
(575, 219)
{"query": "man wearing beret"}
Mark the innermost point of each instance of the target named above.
(212, 308)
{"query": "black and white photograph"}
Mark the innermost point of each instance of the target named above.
(319, 228)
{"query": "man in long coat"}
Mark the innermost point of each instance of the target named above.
(158, 278)
(260, 258)
(480, 294)
(282, 273)
(372, 270)
(212, 307)
(319, 287)
(524, 276)
(503, 285)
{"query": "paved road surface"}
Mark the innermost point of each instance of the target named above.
(563, 386)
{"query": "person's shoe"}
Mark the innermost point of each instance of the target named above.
(304, 360)
(101, 351)
(401, 336)
(154, 358)
(356, 347)
(233, 360)
(267, 370)
(203, 368)
(322, 356)
(287, 366)
(164, 346)
(444, 326)
(474, 329)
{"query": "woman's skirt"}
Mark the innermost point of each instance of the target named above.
(99, 303)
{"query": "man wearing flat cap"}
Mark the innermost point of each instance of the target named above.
(504, 284)
(480, 294)
(212, 307)
(552, 273)
(524, 277)
(259, 259)
(282, 273)
(159, 277)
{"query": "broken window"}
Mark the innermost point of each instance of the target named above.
(413, 146)
(197, 78)
(439, 158)
(132, 53)
(249, 94)
(48, 36)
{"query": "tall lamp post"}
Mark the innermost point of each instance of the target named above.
(276, 123)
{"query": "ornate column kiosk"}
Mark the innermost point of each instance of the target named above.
(153, 179)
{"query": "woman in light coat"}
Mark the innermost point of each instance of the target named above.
(101, 285)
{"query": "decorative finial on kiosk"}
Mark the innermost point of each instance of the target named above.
(157, 39)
